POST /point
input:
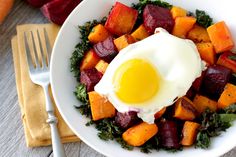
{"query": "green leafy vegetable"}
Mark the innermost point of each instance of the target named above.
(203, 19)
(82, 46)
(230, 109)
(152, 144)
(228, 117)
(81, 93)
(233, 57)
(202, 140)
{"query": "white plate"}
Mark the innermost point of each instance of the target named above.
(63, 83)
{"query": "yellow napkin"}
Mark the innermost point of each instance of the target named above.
(31, 96)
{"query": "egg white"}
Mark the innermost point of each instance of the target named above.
(177, 60)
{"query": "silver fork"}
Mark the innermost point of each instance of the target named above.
(39, 74)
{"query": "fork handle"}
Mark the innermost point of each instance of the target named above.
(58, 149)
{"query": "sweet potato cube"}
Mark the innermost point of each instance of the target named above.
(184, 109)
(178, 12)
(228, 60)
(160, 113)
(198, 34)
(101, 66)
(183, 25)
(100, 106)
(123, 41)
(90, 60)
(121, 19)
(155, 16)
(220, 37)
(207, 52)
(98, 33)
(90, 77)
(201, 103)
(189, 133)
(228, 97)
(139, 134)
(140, 33)
(106, 49)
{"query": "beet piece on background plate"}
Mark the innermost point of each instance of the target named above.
(106, 49)
(38, 3)
(154, 16)
(127, 119)
(90, 77)
(214, 81)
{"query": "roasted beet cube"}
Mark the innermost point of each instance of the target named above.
(126, 119)
(168, 132)
(106, 49)
(214, 81)
(38, 3)
(90, 77)
(154, 16)
(121, 19)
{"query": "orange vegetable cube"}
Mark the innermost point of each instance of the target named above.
(100, 106)
(226, 60)
(139, 134)
(123, 41)
(140, 33)
(101, 66)
(198, 34)
(207, 52)
(160, 113)
(98, 33)
(228, 97)
(90, 60)
(220, 37)
(178, 12)
(183, 25)
(184, 109)
(189, 133)
(121, 19)
(201, 103)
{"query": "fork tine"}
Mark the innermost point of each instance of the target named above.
(35, 51)
(44, 65)
(48, 46)
(28, 54)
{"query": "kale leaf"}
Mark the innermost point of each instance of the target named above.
(152, 144)
(203, 19)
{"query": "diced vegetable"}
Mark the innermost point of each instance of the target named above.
(90, 77)
(154, 16)
(183, 25)
(126, 119)
(184, 109)
(123, 41)
(207, 52)
(198, 82)
(198, 34)
(139, 134)
(214, 81)
(121, 19)
(106, 49)
(220, 37)
(100, 106)
(140, 33)
(228, 60)
(160, 113)
(189, 133)
(203, 19)
(89, 61)
(201, 103)
(101, 66)
(178, 12)
(168, 132)
(98, 33)
(228, 96)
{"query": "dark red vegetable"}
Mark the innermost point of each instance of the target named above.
(154, 16)
(127, 119)
(215, 80)
(168, 132)
(58, 10)
(38, 3)
(90, 77)
(106, 49)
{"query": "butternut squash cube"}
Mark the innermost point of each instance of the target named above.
(189, 133)
(198, 34)
(228, 97)
(123, 41)
(178, 12)
(98, 33)
(207, 52)
(101, 66)
(140, 33)
(201, 103)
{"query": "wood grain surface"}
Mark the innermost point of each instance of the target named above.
(12, 142)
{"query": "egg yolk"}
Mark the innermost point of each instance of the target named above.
(136, 81)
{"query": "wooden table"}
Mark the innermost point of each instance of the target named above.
(12, 142)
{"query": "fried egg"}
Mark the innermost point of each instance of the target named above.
(151, 74)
